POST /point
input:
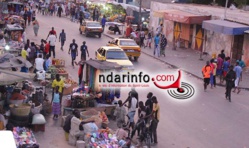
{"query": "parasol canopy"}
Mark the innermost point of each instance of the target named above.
(10, 77)
(7, 61)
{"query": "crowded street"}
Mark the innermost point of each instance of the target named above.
(103, 80)
(201, 122)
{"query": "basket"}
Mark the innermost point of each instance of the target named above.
(89, 113)
(37, 109)
(20, 110)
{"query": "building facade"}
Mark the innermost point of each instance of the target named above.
(211, 40)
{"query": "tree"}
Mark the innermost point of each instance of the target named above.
(240, 3)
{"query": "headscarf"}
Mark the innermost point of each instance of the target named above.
(163, 41)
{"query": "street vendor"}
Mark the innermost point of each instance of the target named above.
(58, 82)
(68, 124)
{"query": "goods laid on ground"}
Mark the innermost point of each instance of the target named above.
(62, 72)
(58, 62)
(24, 137)
(69, 86)
(105, 138)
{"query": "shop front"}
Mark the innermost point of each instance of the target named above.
(182, 28)
(228, 36)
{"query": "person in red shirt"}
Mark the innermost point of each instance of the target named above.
(81, 68)
(47, 48)
(206, 71)
(128, 31)
(53, 32)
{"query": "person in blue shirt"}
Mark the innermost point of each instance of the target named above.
(47, 63)
(56, 108)
(242, 65)
(103, 21)
(238, 71)
(157, 41)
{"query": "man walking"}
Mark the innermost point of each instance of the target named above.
(60, 10)
(84, 50)
(238, 70)
(73, 48)
(62, 38)
(156, 41)
(53, 32)
(206, 71)
(52, 40)
(103, 21)
(230, 77)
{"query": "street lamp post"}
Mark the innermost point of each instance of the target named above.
(225, 13)
(139, 21)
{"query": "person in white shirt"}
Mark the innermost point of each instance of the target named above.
(52, 40)
(39, 62)
(131, 107)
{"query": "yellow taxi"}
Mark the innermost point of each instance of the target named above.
(114, 54)
(91, 28)
(129, 46)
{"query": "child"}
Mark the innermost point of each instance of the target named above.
(120, 113)
(56, 103)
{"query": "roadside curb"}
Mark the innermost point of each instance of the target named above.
(175, 67)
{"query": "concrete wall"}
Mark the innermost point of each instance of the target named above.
(245, 56)
(147, 3)
(216, 42)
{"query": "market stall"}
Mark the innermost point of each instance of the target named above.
(21, 102)
(96, 131)
(91, 95)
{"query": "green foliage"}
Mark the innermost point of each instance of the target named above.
(240, 3)
(202, 1)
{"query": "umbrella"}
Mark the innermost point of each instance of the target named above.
(7, 61)
(9, 77)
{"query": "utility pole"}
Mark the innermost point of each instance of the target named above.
(139, 21)
(225, 13)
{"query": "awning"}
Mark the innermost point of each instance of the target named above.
(225, 27)
(159, 13)
(184, 17)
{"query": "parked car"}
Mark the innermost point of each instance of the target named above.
(91, 28)
(129, 46)
(114, 54)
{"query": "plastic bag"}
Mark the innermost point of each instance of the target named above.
(38, 119)
(72, 140)
(90, 128)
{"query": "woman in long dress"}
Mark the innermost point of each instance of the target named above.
(36, 27)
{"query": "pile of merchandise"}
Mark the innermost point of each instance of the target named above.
(23, 136)
(105, 138)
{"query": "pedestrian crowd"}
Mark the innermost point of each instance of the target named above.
(160, 41)
(148, 113)
(222, 67)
